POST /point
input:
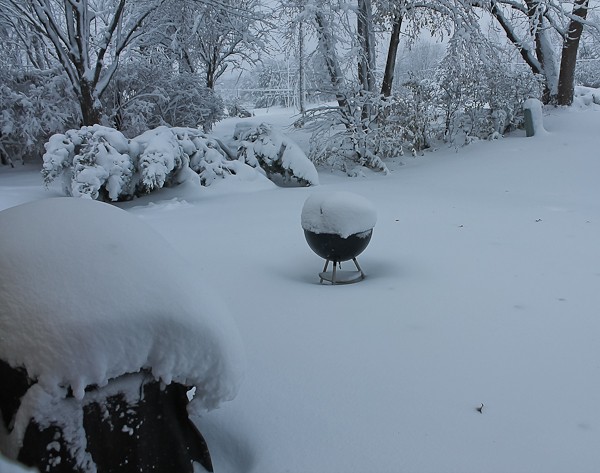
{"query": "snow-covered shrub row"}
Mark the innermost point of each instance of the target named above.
(276, 155)
(98, 162)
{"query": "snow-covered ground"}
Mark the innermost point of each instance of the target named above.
(482, 288)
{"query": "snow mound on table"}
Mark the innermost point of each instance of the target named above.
(341, 213)
(88, 292)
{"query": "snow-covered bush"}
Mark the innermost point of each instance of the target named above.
(587, 72)
(276, 155)
(236, 108)
(34, 106)
(586, 96)
(98, 162)
(154, 95)
(99, 314)
(206, 156)
(413, 107)
(345, 137)
(93, 162)
(480, 94)
(372, 128)
(189, 103)
(160, 158)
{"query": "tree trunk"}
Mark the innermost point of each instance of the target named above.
(301, 78)
(542, 62)
(566, 80)
(366, 38)
(90, 113)
(328, 50)
(526, 54)
(543, 52)
(390, 64)
(80, 52)
(210, 78)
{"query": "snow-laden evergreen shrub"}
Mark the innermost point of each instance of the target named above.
(206, 156)
(161, 157)
(279, 158)
(103, 163)
(94, 161)
(98, 162)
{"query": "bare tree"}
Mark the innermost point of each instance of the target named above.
(366, 40)
(566, 80)
(326, 46)
(87, 39)
(545, 19)
(392, 54)
(213, 36)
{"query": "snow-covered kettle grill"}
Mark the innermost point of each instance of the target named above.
(338, 227)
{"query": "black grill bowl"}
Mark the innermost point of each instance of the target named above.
(333, 247)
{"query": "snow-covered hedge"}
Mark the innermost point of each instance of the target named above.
(98, 162)
(276, 155)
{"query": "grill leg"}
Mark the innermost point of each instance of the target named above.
(333, 275)
(324, 269)
(362, 275)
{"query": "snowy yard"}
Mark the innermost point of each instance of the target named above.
(483, 287)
